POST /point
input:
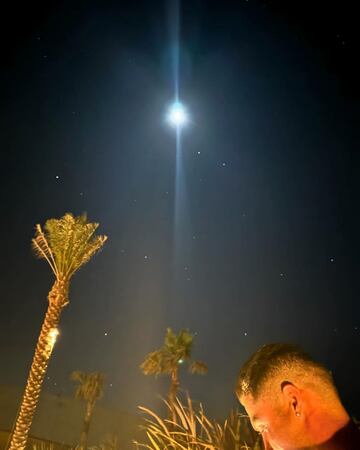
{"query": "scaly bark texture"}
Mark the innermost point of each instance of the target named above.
(86, 426)
(173, 391)
(58, 298)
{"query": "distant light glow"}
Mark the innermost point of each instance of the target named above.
(177, 115)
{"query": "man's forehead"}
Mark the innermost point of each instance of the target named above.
(249, 402)
(255, 405)
(270, 387)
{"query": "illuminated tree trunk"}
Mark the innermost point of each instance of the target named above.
(173, 390)
(58, 298)
(86, 426)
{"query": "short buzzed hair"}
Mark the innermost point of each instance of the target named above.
(272, 359)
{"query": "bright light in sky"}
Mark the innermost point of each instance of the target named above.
(177, 115)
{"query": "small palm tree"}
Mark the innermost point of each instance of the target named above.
(66, 244)
(175, 351)
(90, 388)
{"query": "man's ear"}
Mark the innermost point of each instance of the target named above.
(292, 396)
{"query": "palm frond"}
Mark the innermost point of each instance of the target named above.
(175, 350)
(198, 367)
(88, 251)
(82, 237)
(153, 363)
(155, 416)
(90, 385)
(67, 243)
(180, 344)
(42, 249)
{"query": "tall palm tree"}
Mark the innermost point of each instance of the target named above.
(90, 388)
(66, 244)
(175, 351)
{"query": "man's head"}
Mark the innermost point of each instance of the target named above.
(291, 399)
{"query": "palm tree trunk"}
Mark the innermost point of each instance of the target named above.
(86, 426)
(173, 390)
(58, 298)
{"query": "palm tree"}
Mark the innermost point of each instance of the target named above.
(90, 389)
(175, 351)
(66, 244)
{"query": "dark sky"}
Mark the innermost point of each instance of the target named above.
(265, 246)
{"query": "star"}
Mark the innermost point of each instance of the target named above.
(198, 152)
(146, 257)
(57, 177)
(245, 334)
(105, 334)
(223, 164)
(332, 260)
(281, 274)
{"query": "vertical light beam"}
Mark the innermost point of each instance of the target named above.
(177, 117)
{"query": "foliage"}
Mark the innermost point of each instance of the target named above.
(90, 385)
(67, 243)
(43, 446)
(191, 429)
(48, 445)
(175, 350)
(111, 442)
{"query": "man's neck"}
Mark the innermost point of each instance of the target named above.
(329, 428)
(346, 438)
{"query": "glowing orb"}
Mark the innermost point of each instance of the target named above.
(177, 115)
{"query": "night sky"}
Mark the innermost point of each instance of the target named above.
(260, 245)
